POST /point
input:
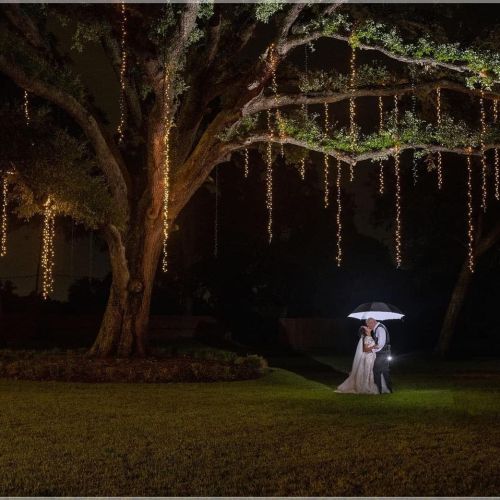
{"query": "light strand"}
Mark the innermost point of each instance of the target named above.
(396, 111)
(269, 179)
(48, 253)
(484, 169)
(381, 128)
(26, 107)
(496, 155)
(352, 101)
(470, 221)
(216, 217)
(326, 163)
(5, 201)
(439, 155)
(305, 111)
(351, 171)
(274, 88)
(414, 168)
(325, 180)
(339, 214)
(397, 231)
(123, 69)
(246, 163)
(167, 124)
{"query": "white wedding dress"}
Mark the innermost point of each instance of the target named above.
(360, 380)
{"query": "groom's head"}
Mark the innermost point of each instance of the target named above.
(370, 323)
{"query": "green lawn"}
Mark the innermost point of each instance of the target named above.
(284, 434)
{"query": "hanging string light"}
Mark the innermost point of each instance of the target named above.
(380, 129)
(216, 218)
(5, 201)
(470, 221)
(438, 122)
(305, 112)
(397, 232)
(396, 111)
(123, 69)
(274, 88)
(484, 169)
(246, 162)
(414, 169)
(496, 155)
(167, 124)
(269, 179)
(26, 107)
(48, 254)
(326, 159)
(352, 101)
(351, 171)
(339, 214)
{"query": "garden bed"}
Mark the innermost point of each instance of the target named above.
(76, 366)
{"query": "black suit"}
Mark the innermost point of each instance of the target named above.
(382, 363)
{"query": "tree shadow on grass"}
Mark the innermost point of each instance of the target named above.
(306, 366)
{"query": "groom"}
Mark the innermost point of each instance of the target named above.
(383, 351)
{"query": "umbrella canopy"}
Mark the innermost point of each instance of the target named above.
(376, 310)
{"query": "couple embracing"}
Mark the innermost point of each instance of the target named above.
(370, 372)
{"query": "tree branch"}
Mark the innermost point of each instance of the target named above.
(107, 155)
(261, 102)
(353, 159)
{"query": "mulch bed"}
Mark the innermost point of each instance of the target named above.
(69, 367)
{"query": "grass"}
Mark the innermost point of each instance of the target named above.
(282, 434)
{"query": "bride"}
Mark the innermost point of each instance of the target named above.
(360, 380)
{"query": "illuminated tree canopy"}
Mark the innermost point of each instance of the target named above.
(199, 82)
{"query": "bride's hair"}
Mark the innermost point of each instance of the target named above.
(363, 330)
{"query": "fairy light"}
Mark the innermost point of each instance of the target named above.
(327, 190)
(470, 221)
(167, 125)
(123, 69)
(380, 128)
(414, 168)
(339, 214)
(216, 218)
(351, 171)
(5, 201)
(269, 179)
(397, 232)
(484, 172)
(26, 107)
(352, 101)
(396, 111)
(326, 163)
(438, 122)
(274, 88)
(496, 155)
(246, 162)
(305, 112)
(48, 254)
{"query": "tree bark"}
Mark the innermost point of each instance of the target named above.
(454, 307)
(124, 326)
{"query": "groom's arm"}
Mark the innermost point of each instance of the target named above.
(381, 339)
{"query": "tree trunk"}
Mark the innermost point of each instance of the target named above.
(454, 307)
(124, 326)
